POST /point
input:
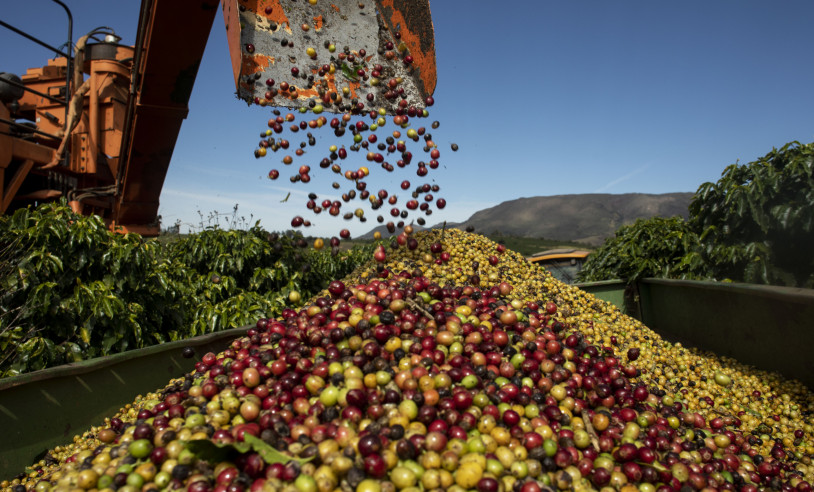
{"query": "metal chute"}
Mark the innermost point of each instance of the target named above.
(323, 54)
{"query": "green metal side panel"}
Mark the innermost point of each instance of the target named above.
(771, 328)
(612, 291)
(44, 409)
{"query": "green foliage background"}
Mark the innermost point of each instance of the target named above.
(755, 225)
(652, 247)
(72, 290)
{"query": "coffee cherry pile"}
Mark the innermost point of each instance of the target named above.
(772, 409)
(399, 378)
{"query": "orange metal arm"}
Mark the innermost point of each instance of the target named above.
(170, 45)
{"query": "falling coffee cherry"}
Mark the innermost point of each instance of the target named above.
(358, 121)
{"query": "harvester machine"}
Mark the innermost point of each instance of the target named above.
(98, 124)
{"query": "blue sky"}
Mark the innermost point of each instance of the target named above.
(543, 98)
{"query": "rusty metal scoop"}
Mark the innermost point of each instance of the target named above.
(332, 55)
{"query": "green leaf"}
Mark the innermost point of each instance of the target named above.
(348, 73)
(269, 454)
(212, 452)
(107, 302)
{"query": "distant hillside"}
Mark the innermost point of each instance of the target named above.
(585, 218)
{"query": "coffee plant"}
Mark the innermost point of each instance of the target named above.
(76, 290)
(754, 225)
(72, 290)
(651, 247)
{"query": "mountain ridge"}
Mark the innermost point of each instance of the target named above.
(587, 218)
